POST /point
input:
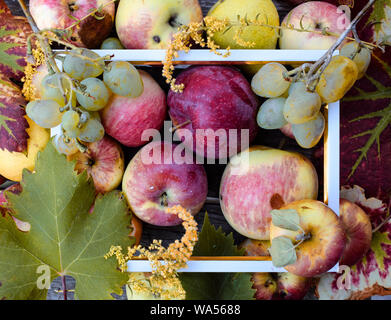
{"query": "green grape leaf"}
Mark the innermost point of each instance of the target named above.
(216, 286)
(14, 31)
(380, 21)
(286, 219)
(283, 252)
(13, 124)
(64, 237)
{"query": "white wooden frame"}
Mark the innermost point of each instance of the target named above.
(331, 153)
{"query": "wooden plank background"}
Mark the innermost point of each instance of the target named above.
(271, 138)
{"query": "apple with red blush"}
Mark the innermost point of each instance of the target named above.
(162, 175)
(358, 229)
(260, 179)
(317, 16)
(150, 24)
(310, 234)
(104, 162)
(90, 32)
(126, 119)
(216, 101)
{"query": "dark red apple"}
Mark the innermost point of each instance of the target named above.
(104, 162)
(278, 285)
(158, 177)
(358, 231)
(217, 98)
(2, 180)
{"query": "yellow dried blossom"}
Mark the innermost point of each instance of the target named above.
(29, 71)
(163, 282)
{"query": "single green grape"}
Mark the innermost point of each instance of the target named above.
(123, 79)
(270, 115)
(96, 94)
(70, 122)
(64, 145)
(269, 81)
(50, 89)
(79, 68)
(301, 104)
(308, 134)
(92, 131)
(111, 43)
(45, 113)
(361, 56)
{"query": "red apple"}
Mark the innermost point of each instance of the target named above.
(319, 243)
(104, 162)
(157, 177)
(2, 180)
(314, 16)
(215, 98)
(150, 24)
(274, 285)
(137, 229)
(261, 179)
(358, 231)
(57, 14)
(125, 119)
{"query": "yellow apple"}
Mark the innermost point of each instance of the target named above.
(13, 163)
(264, 37)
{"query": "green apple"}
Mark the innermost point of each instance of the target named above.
(264, 37)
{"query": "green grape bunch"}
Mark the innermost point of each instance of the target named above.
(72, 97)
(297, 97)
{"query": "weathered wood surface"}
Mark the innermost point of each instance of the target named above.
(214, 172)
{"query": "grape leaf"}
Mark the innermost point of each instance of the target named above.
(14, 31)
(372, 275)
(64, 236)
(366, 130)
(380, 20)
(13, 125)
(216, 286)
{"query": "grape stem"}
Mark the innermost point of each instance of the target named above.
(319, 66)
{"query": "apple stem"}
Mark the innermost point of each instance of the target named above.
(173, 129)
(302, 237)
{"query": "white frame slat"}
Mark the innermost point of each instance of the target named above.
(197, 56)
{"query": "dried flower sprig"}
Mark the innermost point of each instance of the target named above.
(188, 35)
(165, 262)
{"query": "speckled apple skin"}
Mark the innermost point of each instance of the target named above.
(271, 179)
(214, 97)
(323, 250)
(145, 183)
(125, 119)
